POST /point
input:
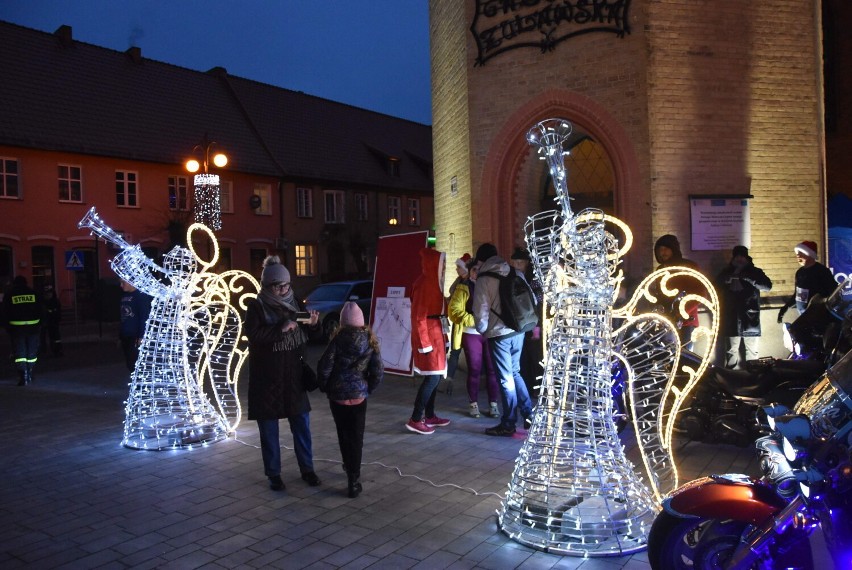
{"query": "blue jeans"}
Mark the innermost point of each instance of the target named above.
(506, 353)
(425, 399)
(270, 448)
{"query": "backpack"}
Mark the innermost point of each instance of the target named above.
(517, 301)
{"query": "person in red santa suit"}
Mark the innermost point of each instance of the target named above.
(428, 340)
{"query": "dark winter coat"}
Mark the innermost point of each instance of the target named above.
(275, 363)
(740, 299)
(349, 369)
(684, 284)
(23, 309)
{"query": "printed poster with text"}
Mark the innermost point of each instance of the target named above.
(397, 267)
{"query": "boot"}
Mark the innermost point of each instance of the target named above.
(354, 485)
(29, 375)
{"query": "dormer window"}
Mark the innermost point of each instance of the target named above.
(393, 166)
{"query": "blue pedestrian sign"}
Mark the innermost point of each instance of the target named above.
(74, 260)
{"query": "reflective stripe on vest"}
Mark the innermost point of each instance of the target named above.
(23, 323)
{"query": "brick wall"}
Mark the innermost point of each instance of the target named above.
(701, 97)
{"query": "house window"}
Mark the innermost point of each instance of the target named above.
(264, 191)
(306, 256)
(334, 207)
(394, 212)
(70, 185)
(126, 193)
(393, 166)
(178, 194)
(413, 212)
(9, 187)
(304, 203)
(361, 207)
(226, 197)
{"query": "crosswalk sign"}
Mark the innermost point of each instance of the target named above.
(74, 260)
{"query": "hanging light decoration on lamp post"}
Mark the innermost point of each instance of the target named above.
(208, 206)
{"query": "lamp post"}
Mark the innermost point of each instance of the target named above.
(208, 207)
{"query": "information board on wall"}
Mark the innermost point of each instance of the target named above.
(720, 223)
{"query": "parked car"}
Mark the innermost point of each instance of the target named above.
(329, 298)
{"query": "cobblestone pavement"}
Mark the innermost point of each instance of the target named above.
(73, 497)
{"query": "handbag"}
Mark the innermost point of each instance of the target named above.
(309, 377)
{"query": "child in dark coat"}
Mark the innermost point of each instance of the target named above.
(348, 372)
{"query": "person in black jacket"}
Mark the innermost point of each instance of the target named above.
(812, 278)
(349, 371)
(739, 286)
(276, 389)
(23, 310)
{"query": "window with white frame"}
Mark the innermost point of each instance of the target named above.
(264, 191)
(9, 186)
(413, 211)
(70, 183)
(306, 256)
(334, 206)
(394, 210)
(226, 197)
(178, 193)
(126, 188)
(304, 202)
(361, 207)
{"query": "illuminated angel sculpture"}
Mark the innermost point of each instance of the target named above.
(573, 490)
(192, 334)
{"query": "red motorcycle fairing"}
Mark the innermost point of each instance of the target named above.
(725, 497)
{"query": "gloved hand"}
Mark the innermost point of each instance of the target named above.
(781, 313)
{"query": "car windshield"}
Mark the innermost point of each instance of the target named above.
(328, 293)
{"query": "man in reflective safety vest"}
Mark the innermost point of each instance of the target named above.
(23, 310)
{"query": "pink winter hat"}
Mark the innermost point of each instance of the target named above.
(351, 315)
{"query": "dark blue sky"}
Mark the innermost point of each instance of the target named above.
(368, 53)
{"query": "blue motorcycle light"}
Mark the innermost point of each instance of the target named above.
(790, 451)
(804, 490)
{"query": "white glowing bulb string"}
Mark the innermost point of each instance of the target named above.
(573, 491)
(192, 333)
(208, 207)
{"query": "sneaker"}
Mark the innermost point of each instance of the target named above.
(276, 484)
(474, 410)
(435, 421)
(494, 411)
(500, 430)
(419, 427)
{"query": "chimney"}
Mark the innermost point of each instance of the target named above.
(135, 54)
(63, 33)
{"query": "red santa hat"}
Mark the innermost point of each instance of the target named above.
(807, 248)
(462, 261)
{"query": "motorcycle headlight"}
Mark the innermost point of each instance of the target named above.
(770, 421)
(789, 449)
(804, 490)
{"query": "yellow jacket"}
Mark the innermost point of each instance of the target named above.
(458, 315)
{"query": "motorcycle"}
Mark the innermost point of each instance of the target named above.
(737, 522)
(723, 407)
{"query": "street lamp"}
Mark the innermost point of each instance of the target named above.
(208, 207)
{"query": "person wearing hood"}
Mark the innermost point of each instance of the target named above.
(668, 254)
(349, 371)
(739, 286)
(428, 340)
(505, 343)
(276, 389)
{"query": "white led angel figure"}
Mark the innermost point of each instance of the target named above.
(191, 328)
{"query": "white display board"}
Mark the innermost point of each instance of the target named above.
(392, 326)
(720, 223)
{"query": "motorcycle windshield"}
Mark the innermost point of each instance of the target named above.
(827, 402)
(840, 302)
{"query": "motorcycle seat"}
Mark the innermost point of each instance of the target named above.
(760, 381)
